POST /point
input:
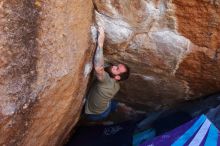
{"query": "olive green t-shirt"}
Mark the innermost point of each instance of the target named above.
(100, 95)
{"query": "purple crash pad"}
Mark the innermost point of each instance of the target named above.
(197, 132)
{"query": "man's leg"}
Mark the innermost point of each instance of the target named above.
(124, 109)
(99, 117)
(112, 108)
(114, 105)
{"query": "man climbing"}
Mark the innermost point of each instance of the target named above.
(99, 102)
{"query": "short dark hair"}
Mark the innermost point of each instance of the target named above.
(123, 76)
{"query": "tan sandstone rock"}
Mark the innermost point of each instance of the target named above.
(172, 48)
(46, 48)
(45, 60)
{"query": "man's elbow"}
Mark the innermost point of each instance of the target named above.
(99, 70)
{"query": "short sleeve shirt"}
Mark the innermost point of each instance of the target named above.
(101, 94)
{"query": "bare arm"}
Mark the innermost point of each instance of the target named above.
(99, 59)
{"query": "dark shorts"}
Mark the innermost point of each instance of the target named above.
(97, 117)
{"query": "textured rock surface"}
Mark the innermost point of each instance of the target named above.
(172, 48)
(45, 60)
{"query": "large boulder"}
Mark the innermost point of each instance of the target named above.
(46, 50)
(45, 60)
(172, 48)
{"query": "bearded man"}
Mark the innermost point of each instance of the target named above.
(99, 101)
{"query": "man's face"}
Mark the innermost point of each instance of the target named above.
(118, 69)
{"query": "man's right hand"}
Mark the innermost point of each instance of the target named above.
(101, 36)
(98, 59)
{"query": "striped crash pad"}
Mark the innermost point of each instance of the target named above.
(197, 132)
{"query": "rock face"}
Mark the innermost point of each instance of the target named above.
(172, 48)
(46, 49)
(45, 60)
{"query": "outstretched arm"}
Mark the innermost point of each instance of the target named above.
(99, 59)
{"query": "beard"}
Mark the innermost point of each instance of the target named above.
(108, 69)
